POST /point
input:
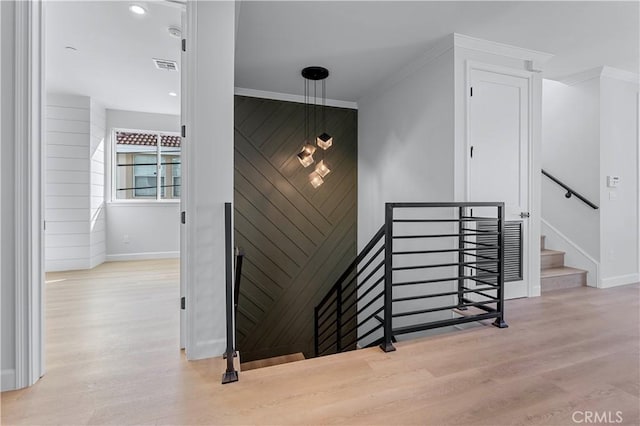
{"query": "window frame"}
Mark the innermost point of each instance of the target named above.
(113, 155)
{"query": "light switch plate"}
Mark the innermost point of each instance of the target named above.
(613, 181)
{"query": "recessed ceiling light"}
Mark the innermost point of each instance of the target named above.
(173, 94)
(137, 9)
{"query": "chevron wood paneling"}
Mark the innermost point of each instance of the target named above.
(297, 239)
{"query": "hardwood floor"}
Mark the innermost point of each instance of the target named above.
(112, 358)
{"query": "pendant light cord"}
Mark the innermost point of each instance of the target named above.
(306, 111)
(324, 105)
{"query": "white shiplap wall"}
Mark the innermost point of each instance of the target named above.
(73, 239)
(97, 140)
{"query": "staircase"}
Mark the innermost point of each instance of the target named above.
(554, 275)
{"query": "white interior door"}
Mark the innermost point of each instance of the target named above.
(499, 151)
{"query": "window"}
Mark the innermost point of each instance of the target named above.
(147, 166)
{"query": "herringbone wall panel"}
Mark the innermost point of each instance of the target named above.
(297, 239)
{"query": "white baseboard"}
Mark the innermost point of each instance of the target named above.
(143, 256)
(620, 280)
(8, 379)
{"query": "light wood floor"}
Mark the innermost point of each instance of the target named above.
(112, 358)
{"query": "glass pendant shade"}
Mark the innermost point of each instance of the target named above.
(324, 141)
(305, 156)
(315, 179)
(322, 169)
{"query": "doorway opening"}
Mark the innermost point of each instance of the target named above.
(112, 176)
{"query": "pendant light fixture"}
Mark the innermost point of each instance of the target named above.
(313, 75)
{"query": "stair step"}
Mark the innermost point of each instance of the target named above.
(561, 278)
(551, 259)
(268, 362)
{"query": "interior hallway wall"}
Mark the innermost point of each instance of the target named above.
(140, 229)
(619, 157)
(74, 192)
(590, 131)
(571, 152)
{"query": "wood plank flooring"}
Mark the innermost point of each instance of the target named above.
(112, 358)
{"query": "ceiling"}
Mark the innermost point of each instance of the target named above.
(113, 61)
(360, 42)
(363, 42)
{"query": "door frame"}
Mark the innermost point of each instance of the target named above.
(29, 143)
(28, 196)
(530, 76)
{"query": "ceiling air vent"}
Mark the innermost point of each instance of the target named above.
(165, 64)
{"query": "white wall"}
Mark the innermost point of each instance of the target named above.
(208, 171)
(405, 144)
(590, 131)
(140, 229)
(571, 152)
(97, 225)
(143, 230)
(7, 181)
(74, 192)
(405, 153)
(618, 157)
(67, 183)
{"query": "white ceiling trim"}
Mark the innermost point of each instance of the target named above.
(536, 58)
(581, 77)
(253, 93)
(620, 74)
(598, 72)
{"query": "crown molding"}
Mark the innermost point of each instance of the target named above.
(621, 75)
(253, 93)
(581, 77)
(599, 72)
(534, 58)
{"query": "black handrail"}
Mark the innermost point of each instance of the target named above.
(236, 287)
(570, 191)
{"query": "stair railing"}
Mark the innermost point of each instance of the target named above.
(353, 302)
(231, 375)
(426, 266)
(570, 191)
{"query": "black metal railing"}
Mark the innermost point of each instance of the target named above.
(232, 293)
(431, 265)
(346, 314)
(570, 192)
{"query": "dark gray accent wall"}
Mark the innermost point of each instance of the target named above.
(297, 239)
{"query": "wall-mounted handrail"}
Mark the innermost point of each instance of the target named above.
(570, 191)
